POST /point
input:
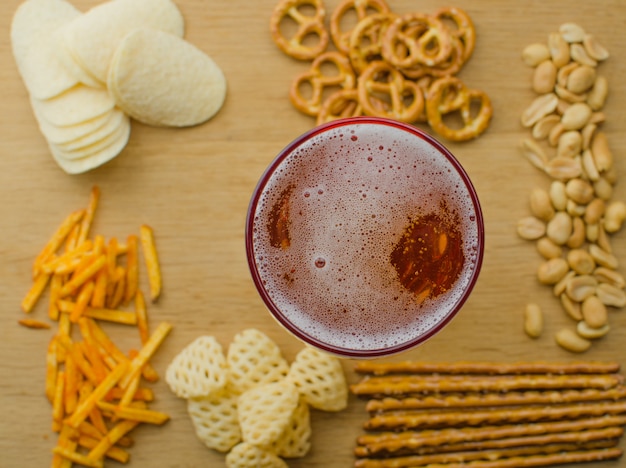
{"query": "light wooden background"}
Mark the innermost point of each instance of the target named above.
(193, 186)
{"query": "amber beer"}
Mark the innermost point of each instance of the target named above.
(364, 237)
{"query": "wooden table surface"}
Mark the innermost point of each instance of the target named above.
(193, 186)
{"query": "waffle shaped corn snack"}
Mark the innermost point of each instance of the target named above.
(295, 441)
(216, 420)
(320, 380)
(198, 370)
(245, 455)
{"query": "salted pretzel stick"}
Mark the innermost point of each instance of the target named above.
(471, 455)
(475, 400)
(491, 368)
(414, 384)
(419, 419)
(610, 434)
(392, 442)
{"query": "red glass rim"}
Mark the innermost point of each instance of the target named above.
(258, 281)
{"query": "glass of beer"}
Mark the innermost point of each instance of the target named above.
(364, 237)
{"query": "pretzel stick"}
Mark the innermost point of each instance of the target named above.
(574, 437)
(495, 399)
(470, 367)
(406, 385)
(468, 456)
(391, 442)
(437, 418)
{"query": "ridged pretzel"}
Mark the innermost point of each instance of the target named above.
(463, 28)
(308, 25)
(320, 79)
(362, 9)
(449, 95)
(366, 40)
(381, 82)
(341, 104)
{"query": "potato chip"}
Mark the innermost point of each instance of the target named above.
(198, 370)
(254, 359)
(216, 420)
(295, 441)
(94, 36)
(245, 455)
(265, 411)
(320, 379)
(60, 135)
(160, 79)
(33, 24)
(114, 121)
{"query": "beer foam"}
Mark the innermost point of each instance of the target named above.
(353, 191)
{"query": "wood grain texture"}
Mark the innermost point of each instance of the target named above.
(193, 186)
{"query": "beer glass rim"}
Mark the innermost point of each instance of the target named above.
(258, 281)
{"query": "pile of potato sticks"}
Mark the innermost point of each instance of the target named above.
(94, 388)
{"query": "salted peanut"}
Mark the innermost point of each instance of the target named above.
(603, 242)
(563, 168)
(581, 79)
(580, 55)
(560, 287)
(594, 312)
(566, 95)
(552, 271)
(559, 49)
(575, 210)
(597, 117)
(570, 143)
(580, 191)
(559, 228)
(534, 153)
(544, 126)
(534, 54)
(555, 133)
(564, 102)
(598, 93)
(611, 295)
(609, 276)
(572, 32)
(540, 204)
(548, 249)
(544, 77)
(579, 233)
(601, 152)
(580, 287)
(603, 188)
(589, 333)
(581, 261)
(576, 116)
(594, 48)
(572, 308)
(602, 257)
(533, 320)
(614, 216)
(569, 340)
(540, 107)
(563, 73)
(587, 133)
(531, 228)
(558, 195)
(588, 163)
(592, 231)
(595, 210)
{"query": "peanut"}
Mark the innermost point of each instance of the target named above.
(533, 320)
(571, 341)
(594, 312)
(614, 216)
(589, 333)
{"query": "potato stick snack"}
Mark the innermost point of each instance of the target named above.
(32, 323)
(152, 261)
(132, 272)
(35, 292)
(57, 239)
(87, 220)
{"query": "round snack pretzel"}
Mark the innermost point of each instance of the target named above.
(462, 27)
(342, 103)
(448, 95)
(416, 38)
(451, 66)
(319, 80)
(308, 25)
(380, 83)
(362, 8)
(366, 40)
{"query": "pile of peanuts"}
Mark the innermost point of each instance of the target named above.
(571, 222)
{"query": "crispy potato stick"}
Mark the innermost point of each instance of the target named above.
(78, 359)
(130, 391)
(76, 457)
(98, 245)
(78, 280)
(57, 239)
(414, 384)
(32, 323)
(98, 394)
(56, 283)
(66, 441)
(70, 397)
(148, 372)
(152, 261)
(112, 251)
(84, 297)
(71, 241)
(134, 414)
(103, 339)
(98, 298)
(109, 440)
(117, 316)
(90, 351)
(52, 368)
(66, 262)
(116, 296)
(87, 220)
(477, 400)
(490, 368)
(141, 394)
(57, 402)
(146, 352)
(142, 317)
(34, 293)
(114, 453)
(132, 269)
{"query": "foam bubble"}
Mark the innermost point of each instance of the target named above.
(350, 201)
